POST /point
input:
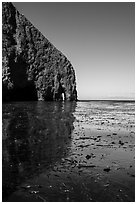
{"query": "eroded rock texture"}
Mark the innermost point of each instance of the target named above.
(33, 69)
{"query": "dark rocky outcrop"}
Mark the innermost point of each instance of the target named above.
(33, 69)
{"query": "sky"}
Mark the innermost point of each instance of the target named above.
(98, 38)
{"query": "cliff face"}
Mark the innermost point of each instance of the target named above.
(33, 69)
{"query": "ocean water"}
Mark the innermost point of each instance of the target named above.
(39, 136)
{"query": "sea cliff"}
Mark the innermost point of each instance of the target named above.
(32, 68)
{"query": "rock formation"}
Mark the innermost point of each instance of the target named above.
(32, 68)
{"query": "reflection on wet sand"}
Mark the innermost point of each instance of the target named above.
(46, 159)
(34, 138)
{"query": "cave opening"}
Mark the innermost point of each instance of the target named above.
(23, 89)
(63, 96)
(27, 93)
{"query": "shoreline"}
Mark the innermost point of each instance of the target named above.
(97, 163)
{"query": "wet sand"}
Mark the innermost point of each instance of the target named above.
(100, 161)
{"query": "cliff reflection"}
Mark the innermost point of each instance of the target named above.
(35, 136)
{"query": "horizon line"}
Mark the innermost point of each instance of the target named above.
(106, 99)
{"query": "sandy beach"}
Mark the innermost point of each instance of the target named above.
(97, 163)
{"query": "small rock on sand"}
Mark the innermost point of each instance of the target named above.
(107, 169)
(88, 156)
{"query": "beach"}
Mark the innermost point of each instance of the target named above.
(69, 152)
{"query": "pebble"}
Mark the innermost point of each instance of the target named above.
(88, 157)
(121, 143)
(34, 192)
(26, 187)
(106, 185)
(107, 169)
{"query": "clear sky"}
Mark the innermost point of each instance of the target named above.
(97, 38)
